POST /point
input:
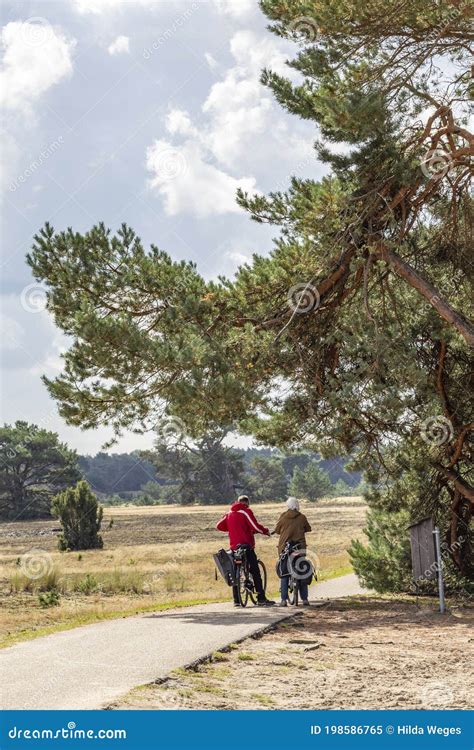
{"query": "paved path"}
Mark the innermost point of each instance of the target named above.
(90, 666)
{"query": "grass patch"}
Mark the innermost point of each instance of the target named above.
(263, 699)
(219, 656)
(244, 656)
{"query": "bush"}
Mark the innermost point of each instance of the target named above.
(88, 584)
(385, 564)
(49, 599)
(80, 515)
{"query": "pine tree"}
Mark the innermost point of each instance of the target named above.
(353, 334)
(80, 515)
(34, 466)
(310, 483)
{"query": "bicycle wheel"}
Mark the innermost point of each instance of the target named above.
(263, 573)
(242, 585)
(252, 590)
(293, 591)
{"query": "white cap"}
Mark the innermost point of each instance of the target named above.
(292, 503)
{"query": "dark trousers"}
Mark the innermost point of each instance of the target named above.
(257, 578)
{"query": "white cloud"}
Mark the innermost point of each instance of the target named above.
(178, 121)
(240, 108)
(36, 56)
(237, 9)
(120, 45)
(104, 6)
(12, 333)
(188, 183)
(240, 132)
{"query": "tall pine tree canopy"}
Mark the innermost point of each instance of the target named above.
(353, 335)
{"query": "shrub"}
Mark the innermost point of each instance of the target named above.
(80, 515)
(49, 598)
(88, 584)
(385, 563)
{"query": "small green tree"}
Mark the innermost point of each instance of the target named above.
(310, 483)
(385, 563)
(81, 516)
(342, 489)
(268, 480)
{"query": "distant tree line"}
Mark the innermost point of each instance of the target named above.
(35, 467)
(210, 472)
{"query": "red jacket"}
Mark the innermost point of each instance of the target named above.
(241, 525)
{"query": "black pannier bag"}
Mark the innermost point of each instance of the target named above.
(225, 565)
(293, 560)
(282, 565)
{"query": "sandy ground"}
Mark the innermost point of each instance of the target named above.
(359, 653)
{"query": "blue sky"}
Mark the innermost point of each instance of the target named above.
(148, 112)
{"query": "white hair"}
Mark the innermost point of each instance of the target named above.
(292, 503)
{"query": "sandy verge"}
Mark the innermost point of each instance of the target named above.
(365, 653)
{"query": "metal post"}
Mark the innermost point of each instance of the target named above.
(439, 561)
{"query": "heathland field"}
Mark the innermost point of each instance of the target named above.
(152, 557)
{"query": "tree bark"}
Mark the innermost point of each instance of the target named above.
(460, 484)
(429, 292)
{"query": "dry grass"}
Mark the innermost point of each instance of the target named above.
(152, 556)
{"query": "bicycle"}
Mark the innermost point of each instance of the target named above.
(244, 579)
(293, 552)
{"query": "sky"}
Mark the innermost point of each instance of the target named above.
(147, 112)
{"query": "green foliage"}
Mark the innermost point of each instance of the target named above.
(310, 483)
(400, 494)
(34, 466)
(81, 516)
(385, 564)
(88, 584)
(50, 598)
(205, 472)
(267, 480)
(116, 472)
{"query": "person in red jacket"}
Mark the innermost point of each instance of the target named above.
(241, 525)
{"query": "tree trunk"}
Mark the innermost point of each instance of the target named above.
(429, 292)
